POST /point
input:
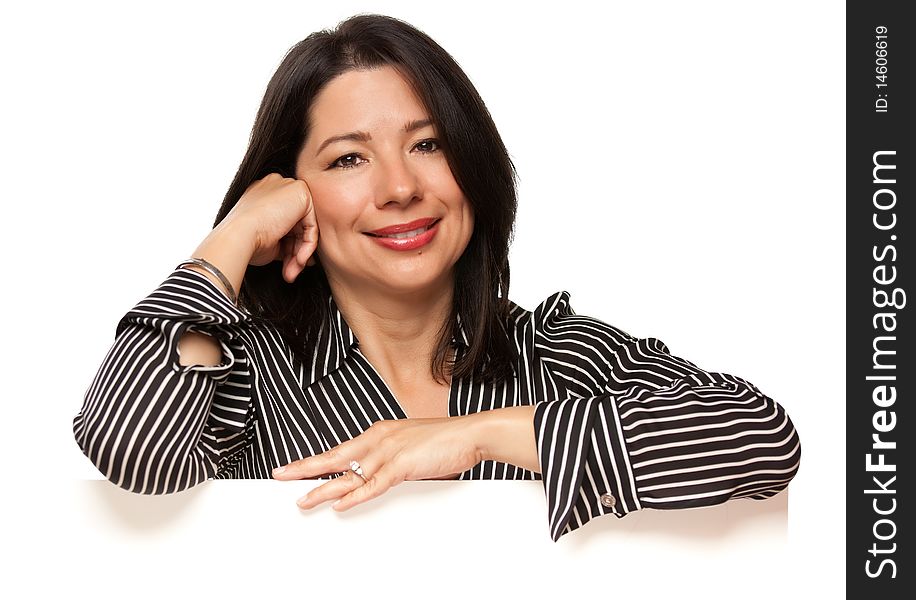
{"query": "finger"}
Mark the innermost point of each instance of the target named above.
(385, 479)
(335, 460)
(309, 240)
(305, 255)
(291, 270)
(285, 248)
(292, 265)
(310, 227)
(335, 488)
(302, 249)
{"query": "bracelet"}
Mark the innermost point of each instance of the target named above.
(207, 266)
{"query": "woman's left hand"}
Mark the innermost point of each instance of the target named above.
(389, 452)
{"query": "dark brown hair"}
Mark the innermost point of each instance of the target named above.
(476, 155)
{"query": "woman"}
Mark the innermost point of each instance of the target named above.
(373, 342)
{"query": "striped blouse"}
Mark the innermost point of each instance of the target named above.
(620, 423)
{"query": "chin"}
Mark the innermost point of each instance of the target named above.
(410, 281)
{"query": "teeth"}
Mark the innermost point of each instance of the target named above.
(407, 234)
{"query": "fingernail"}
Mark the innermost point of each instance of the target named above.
(279, 470)
(335, 503)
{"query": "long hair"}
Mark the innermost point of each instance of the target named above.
(475, 153)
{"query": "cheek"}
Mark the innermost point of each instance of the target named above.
(334, 207)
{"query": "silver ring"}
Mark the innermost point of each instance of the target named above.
(354, 466)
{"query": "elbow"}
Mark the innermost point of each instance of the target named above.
(779, 457)
(109, 456)
(140, 421)
(107, 459)
(139, 466)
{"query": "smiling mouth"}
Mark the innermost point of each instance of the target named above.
(407, 234)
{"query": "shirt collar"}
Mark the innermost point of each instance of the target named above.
(338, 340)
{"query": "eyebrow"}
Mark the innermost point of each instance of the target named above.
(362, 136)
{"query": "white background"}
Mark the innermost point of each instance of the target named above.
(681, 168)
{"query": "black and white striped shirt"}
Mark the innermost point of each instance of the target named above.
(620, 423)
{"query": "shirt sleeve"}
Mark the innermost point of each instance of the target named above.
(642, 428)
(151, 425)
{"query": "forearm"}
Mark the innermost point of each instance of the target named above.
(230, 252)
(229, 247)
(507, 435)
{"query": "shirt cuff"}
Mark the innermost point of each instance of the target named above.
(584, 462)
(189, 301)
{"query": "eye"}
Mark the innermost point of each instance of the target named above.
(428, 146)
(347, 161)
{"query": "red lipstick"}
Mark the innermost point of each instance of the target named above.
(402, 227)
(409, 236)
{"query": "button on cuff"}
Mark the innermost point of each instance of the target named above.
(608, 501)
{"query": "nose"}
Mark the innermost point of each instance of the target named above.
(398, 181)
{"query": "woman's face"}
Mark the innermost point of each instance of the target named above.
(373, 161)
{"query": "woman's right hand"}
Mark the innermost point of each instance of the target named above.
(279, 214)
